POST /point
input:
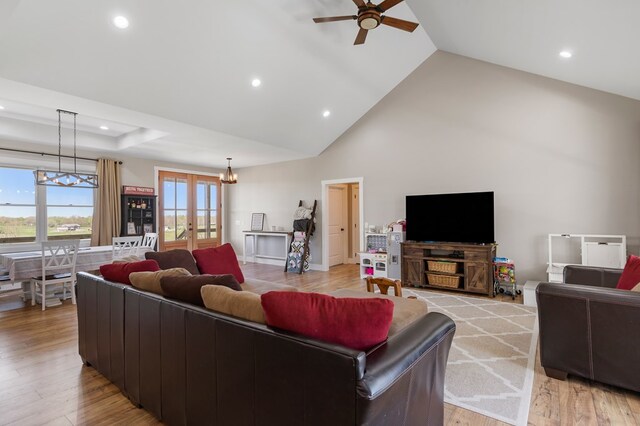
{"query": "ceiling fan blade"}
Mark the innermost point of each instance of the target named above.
(361, 37)
(400, 24)
(387, 4)
(360, 3)
(335, 18)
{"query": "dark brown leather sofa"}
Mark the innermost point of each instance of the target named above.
(188, 365)
(590, 329)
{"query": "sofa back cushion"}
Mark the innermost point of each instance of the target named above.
(240, 304)
(352, 322)
(119, 272)
(177, 258)
(187, 289)
(630, 275)
(218, 260)
(150, 281)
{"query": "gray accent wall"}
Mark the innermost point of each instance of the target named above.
(561, 158)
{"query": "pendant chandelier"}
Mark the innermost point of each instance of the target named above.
(228, 176)
(68, 179)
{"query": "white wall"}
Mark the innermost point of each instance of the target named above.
(560, 158)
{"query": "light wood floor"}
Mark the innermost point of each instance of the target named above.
(43, 381)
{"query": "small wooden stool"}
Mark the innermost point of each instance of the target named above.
(384, 284)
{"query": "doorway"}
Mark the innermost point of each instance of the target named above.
(189, 208)
(341, 233)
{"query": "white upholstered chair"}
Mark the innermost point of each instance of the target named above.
(58, 270)
(149, 241)
(125, 247)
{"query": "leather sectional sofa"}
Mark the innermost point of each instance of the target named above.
(590, 329)
(188, 365)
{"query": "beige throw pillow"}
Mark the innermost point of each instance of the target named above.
(241, 304)
(150, 281)
(636, 288)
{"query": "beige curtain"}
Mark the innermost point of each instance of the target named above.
(106, 211)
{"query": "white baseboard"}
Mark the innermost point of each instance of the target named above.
(275, 262)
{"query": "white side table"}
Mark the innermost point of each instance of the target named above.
(529, 292)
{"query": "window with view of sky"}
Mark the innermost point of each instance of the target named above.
(67, 211)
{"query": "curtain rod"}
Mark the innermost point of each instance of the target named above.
(23, 151)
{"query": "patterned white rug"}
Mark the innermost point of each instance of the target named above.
(490, 368)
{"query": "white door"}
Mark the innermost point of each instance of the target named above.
(336, 225)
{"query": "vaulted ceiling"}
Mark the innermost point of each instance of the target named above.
(184, 70)
(176, 84)
(528, 35)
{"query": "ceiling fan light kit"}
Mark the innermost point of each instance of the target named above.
(369, 19)
(370, 16)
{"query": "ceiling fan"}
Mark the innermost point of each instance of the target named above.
(370, 16)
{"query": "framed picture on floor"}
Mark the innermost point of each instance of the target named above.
(257, 221)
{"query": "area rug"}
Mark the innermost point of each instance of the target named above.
(490, 368)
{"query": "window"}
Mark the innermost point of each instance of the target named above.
(175, 209)
(206, 199)
(17, 206)
(69, 212)
(31, 213)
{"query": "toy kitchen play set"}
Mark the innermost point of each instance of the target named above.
(382, 255)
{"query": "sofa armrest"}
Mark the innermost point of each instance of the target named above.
(592, 332)
(591, 276)
(404, 379)
(386, 364)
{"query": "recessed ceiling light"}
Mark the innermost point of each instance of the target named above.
(104, 128)
(256, 82)
(1, 107)
(121, 22)
(326, 113)
(566, 54)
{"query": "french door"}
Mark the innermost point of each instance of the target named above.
(189, 210)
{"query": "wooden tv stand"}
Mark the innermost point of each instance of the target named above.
(474, 265)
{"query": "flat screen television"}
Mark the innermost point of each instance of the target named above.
(457, 218)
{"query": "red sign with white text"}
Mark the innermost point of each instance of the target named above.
(137, 190)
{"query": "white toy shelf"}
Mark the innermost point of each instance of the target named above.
(607, 251)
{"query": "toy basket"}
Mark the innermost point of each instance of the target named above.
(445, 267)
(448, 281)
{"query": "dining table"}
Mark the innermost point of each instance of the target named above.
(22, 266)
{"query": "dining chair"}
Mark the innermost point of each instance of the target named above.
(125, 247)
(384, 284)
(149, 241)
(58, 269)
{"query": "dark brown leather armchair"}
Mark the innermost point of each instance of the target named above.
(589, 328)
(188, 365)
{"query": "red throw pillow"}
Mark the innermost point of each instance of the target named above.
(355, 323)
(630, 274)
(218, 261)
(119, 272)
